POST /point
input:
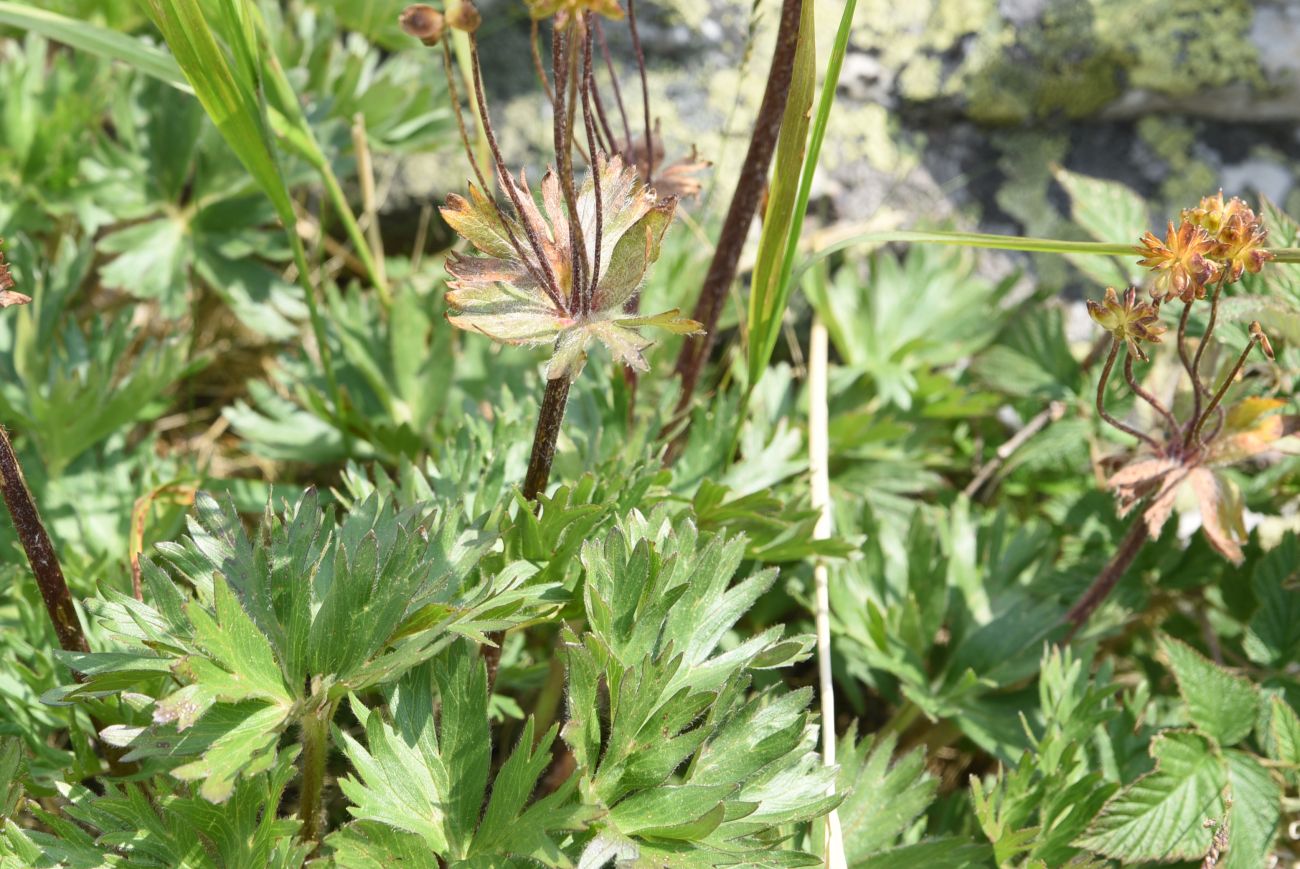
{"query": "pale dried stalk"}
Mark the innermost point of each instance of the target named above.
(820, 485)
(369, 203)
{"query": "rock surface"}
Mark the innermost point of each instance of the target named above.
(956, 110)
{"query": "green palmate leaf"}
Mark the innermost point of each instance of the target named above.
(1284, 732)
(884, 799)
(1161, 815)
(11, 789)
(176, 829)
(1220, 705)
(1109, 212)
(285, 623)
(658, 603)
(430, 782)
(397, 786)
(951, 853)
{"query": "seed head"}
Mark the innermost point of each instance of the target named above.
(1238, 234)
(464, 16)
(548, 8)
(1130, 321)
(423, 22)
(1257, 334)
(1183, 261)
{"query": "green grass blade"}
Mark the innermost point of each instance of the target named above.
(767, 294)
(226, 92)
(96, 40)
(229, 85)
(970, 239)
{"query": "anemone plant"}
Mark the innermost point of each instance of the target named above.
(1179, 460)
(563, 274)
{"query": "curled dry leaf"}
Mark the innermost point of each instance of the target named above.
(9, 297)
(1191, 482)
(679, 179)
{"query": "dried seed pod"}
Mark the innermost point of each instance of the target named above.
(423, 22)
(464, 16)
(1257, 333)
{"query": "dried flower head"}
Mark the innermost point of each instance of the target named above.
(8, 296)
(679, 179)
(1130, 321)
(423, 22)
(512, 296)
(464, 15)
(1241, 246)
(1183, 261)
(1238, 233)
(547, 8)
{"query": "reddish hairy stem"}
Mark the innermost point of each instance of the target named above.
(744, 203)
(551, 285)
(1198, 386)
(1175, 430)
(534, 41)
(1223, 389)
(549, 417)
(586, 90)
(645, 88)
(518, 248)
(561, 48)
(40, 551)
(1209, 331)
(609, 143)
(1186, 358)
(1109, 577)
(1101, 400)
(613, 79)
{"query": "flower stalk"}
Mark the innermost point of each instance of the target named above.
(314, 733)
(1214, 245)
(1257, 336)
(744, 203)
(1101, 399)
(40, 551)
(1134, 539)
(549, 419)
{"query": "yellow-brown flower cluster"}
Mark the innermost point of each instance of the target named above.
(550, 8)
(1216, 240)
(1130, 321)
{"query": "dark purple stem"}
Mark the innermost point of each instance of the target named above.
(549, 418)
(645, 89)
(1109, 577)
(1175, 430)
(586, 91)
(744, 203)
(40, 551)
(613, 79)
